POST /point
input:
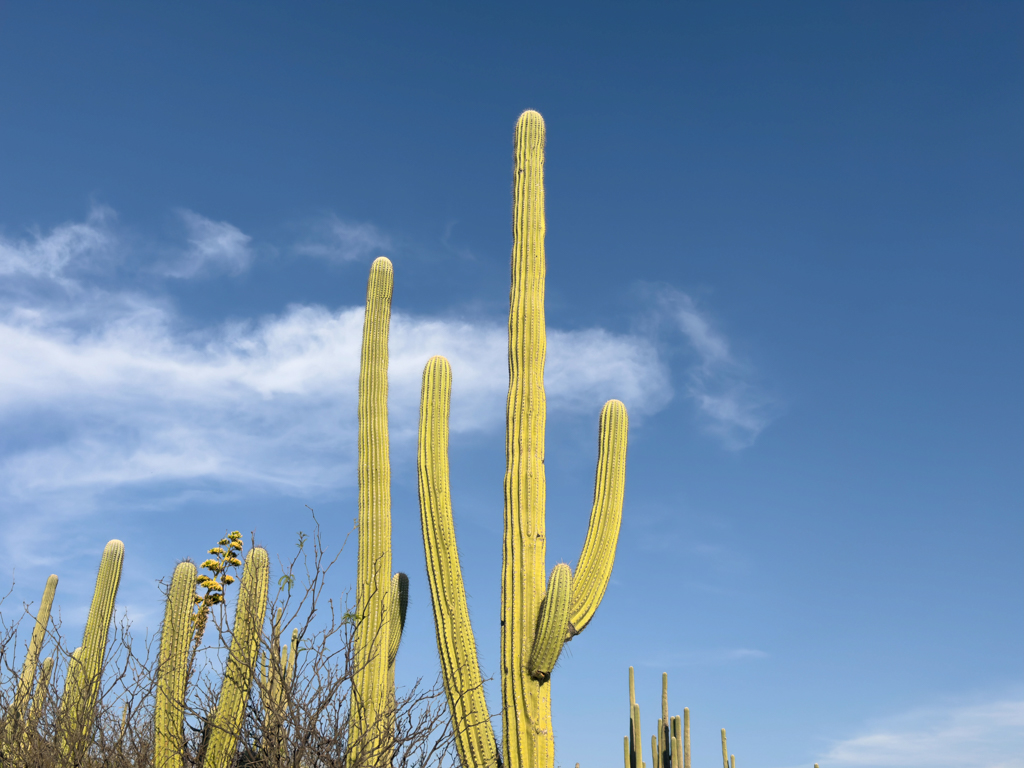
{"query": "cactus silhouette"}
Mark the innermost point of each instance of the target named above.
(534, 621)
(172, 669)
(242, 659)
(82, 684)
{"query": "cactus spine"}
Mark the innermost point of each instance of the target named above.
(242, 659)
(82, 685)
(527, 648)
(378, 632)
(172, 669)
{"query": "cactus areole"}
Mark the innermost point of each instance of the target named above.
(537, 614)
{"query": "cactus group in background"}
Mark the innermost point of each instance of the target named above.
(670, 746)
(375, 634)
(242, 658)
(537, 614)
(82, 684)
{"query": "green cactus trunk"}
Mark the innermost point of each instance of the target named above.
(369, 732)
(172, 669)
(82, 685)
(535, 621)
(16, 712)
(456, 646)
(242, 659)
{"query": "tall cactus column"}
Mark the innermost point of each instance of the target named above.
(535, 622)
(370, 689)
(526, 704)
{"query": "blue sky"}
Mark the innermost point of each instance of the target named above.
(788, 236)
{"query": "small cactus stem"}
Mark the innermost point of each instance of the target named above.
(686, 737)
(35, 646)
(399, 607)
(172, 668)
(293, 659)
(35, 710)
(677, 750)
(370, 691)
(655, 752)
(78, 705)
(665, 724)
(243, 656)
(595, 565)
(732, 761)
(551, 628)
(456, 646)
(725, 751)
(638, 744)
(625, 752)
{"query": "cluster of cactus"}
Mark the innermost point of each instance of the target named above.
(176, 638)
(538, 615)
(82, 682)
(670, 746)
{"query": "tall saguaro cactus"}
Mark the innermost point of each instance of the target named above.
(242, 659)
(535, 620)
(82, 685)
(172, 669)
(373, 678)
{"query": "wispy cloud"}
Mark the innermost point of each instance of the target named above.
(48, 255)
(985, 735)
(705, 657)
(732, 406)
(106, 392)
(213, 246)
(339, 240)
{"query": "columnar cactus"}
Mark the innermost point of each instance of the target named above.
(242, 659)
(82, 685)
(534, 620)
(172, 669)
(375, 647)
(670, 746)
(28, 668)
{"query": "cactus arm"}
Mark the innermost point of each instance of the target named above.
(370, 692)
(551, 628)
(456, 645)
(82, 685)
(243, 656)
(172, 668)
(399, 606)
(526, 705)
(725, 751)
(595, 564)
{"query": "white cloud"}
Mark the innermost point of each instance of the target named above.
(213, 246)
(338, 240)
(46, 256)
(125, 399)
(732, 406)
(104, 396)
(986, 735)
